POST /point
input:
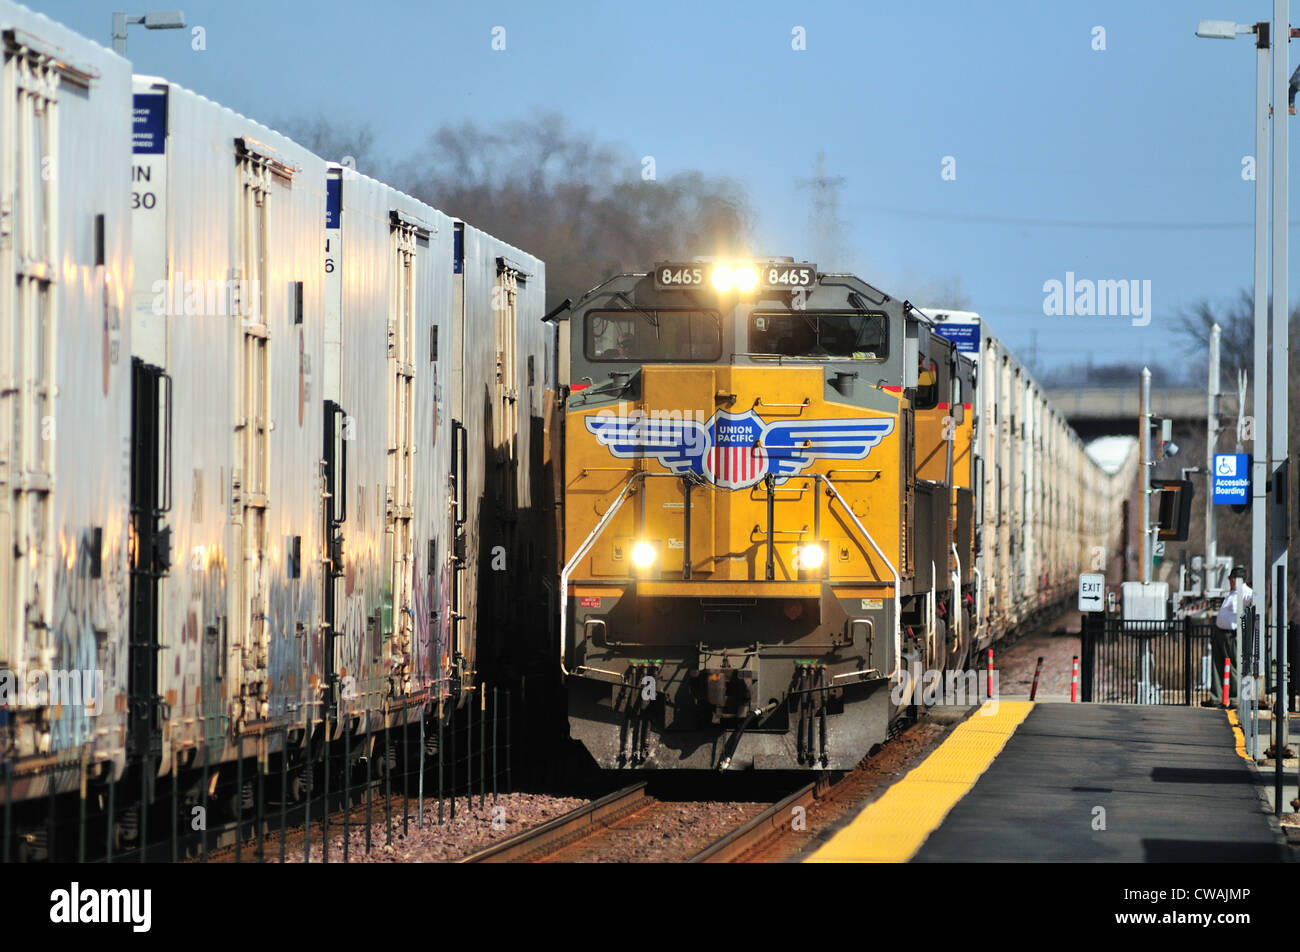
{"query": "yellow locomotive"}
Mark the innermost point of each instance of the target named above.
(767, 514)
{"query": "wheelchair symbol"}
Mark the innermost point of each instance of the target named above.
(1225, 466)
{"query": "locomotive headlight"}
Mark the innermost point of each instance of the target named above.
(723, 278)
(643, 555)
(811, 556)
(746, 277)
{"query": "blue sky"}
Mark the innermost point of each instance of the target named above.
(1073, 144)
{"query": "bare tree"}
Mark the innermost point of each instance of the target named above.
(583, 206)
(351, 145)
(1237, 344)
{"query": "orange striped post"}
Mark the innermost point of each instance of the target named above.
(990, 674)
(1227, 673)
(1033, 691)
(1074, 681)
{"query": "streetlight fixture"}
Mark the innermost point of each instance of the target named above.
(157, 20)
(1222, 29)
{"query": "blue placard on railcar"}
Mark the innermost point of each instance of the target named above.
(149, 124)
(965, 336)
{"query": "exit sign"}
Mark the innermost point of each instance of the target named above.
(1092, 592)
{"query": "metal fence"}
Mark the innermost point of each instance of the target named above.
(1149, 662)
(290, 808)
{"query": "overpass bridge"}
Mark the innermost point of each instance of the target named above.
(1113, 411)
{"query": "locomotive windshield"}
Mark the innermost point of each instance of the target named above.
(648, 335)
(853, 335)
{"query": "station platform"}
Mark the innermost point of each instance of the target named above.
(1113, 783)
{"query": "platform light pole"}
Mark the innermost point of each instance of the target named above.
(1281, 348)
(157, 20)
(1227, 30)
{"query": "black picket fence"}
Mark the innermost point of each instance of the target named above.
(1149, 662)
(290, 809)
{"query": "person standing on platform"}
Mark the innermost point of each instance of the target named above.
(1239, 598)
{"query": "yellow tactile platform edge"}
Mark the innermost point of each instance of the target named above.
(1239, 736)
(893, 828)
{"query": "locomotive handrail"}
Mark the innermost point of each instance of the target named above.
(758, 402)
(579, 555)
(898, 629)
(956, 596)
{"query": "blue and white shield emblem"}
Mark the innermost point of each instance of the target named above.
(737, 450)
(737, 458)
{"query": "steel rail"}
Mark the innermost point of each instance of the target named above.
(559, 832)
(755, 832)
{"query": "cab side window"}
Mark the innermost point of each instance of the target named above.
(927, 385)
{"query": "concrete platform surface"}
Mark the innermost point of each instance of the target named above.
(1075, 783)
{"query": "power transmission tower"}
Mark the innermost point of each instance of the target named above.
(824, 219)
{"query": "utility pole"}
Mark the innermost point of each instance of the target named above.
(1259, 401)
(1280, 351)
(1144, 474)
(1242, 385)
(1211, 444)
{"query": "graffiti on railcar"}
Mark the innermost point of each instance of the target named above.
(86, 610)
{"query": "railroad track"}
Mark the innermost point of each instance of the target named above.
(585, 832)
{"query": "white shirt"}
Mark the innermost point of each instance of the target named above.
(1234, 603)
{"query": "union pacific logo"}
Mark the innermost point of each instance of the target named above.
(737, 450)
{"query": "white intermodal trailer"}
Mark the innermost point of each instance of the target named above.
(228, 344)
(388, 341)
(65, 397)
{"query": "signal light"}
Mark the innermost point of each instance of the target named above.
(746, 278)
(723, 278)
(1175, 508)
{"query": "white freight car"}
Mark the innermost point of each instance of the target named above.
(500, 374)
(228, 332)
(388, 331)
(65, 405)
